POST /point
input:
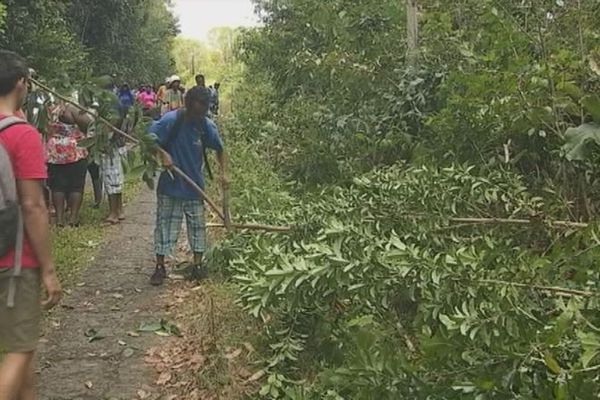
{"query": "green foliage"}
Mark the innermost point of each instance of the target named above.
(2, 17)
(38, 31)
(126, 38)
(378, 295)
(579, 142)
(68, 41)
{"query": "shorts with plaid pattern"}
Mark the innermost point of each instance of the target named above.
(169, 218)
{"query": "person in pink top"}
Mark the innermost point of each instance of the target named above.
(20, 318)
(147, 98)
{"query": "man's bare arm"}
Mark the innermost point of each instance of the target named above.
(37, 228)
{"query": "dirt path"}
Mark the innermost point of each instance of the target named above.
(111, 301)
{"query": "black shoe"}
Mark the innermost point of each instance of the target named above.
(197, 273)
(159, 275)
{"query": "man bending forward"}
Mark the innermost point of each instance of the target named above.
(184, 134)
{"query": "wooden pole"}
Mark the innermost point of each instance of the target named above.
(412, 32)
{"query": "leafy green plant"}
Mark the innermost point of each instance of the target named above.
(387, 297)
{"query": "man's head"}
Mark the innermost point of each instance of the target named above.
(13, 77)
(197, 101)
(200, 81)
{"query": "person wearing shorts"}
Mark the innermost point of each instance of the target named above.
(67, 166)
(183, 134)
(20, 309)
(113, 179)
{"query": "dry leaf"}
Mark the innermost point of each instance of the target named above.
(233, 355)
(133, 334)
(249, 347)
(163, 378)
(142, 394)
(89, 384)
(257, 376)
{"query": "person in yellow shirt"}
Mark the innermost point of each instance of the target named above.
(161, 95)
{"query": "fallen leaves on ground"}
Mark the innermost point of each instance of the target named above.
(202, 367)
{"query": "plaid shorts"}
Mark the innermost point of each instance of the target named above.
(169, 217)
(111, 168)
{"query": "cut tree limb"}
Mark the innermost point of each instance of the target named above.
(561, 224)
(466, 221)
(253, 227)
(553, 289)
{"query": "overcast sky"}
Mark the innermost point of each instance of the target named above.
(198, 17)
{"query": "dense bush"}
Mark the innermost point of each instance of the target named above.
(379, 294)
(383, 290)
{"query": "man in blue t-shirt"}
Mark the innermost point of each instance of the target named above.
(184, 134)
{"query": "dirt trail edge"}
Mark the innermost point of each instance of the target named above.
(91, 349)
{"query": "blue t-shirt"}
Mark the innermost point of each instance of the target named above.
(126, 98)
(186, 152)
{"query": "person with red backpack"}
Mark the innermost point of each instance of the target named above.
(25, 257)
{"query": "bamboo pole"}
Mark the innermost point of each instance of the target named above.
(224, 216)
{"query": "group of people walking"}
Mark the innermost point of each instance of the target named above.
(182, 130)
(169, 96)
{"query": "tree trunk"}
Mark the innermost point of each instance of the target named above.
(412, 30)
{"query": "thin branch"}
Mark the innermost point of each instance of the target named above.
(467, 221)
(555, 224)
(553, 289)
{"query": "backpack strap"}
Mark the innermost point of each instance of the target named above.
(18, 262)
(6, 123)
(174, 132)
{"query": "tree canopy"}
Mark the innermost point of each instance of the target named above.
(70, 40)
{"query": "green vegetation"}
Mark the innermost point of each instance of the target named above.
(66, 42)
(433, 254)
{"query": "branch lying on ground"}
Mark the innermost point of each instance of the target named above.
(260, 227)
(487, 221)
(553, 289)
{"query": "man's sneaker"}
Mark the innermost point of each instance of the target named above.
(159, 275)
(197, 273)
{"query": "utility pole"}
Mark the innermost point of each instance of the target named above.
(412, 32)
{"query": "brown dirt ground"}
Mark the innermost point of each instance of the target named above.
(113, 297)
